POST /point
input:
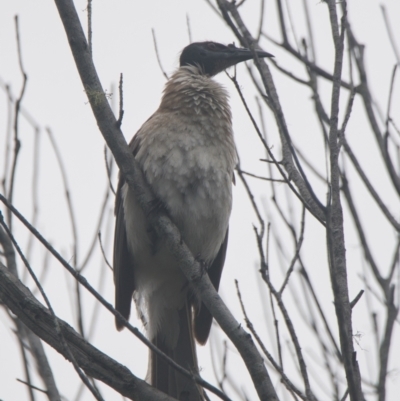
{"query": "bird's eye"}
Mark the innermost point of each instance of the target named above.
(212, 46)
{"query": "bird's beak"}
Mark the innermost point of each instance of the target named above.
(224, 58)
(235, 55)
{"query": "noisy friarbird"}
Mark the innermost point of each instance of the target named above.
(187, 153)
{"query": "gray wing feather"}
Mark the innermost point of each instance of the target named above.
(203, 318)
(123, 261)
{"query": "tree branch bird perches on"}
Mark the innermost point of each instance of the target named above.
(187, 153)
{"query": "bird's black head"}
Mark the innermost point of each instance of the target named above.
(213, 58)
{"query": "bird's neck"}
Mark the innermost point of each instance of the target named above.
(190, 92)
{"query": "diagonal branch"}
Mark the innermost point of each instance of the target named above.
(82, 280)
(335, 229)
(134, 177)
(35, 344)
(289, 161)
(36, 317)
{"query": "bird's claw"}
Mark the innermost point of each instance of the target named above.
(156, 205)
(202, 263)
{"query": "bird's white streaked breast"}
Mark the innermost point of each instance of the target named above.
(187, 154)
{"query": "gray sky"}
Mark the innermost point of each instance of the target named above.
(123, 43)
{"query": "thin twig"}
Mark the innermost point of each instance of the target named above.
(89, 15)
(67, 193)
(335, 229)
(102, 279)
(157, 54)
(349, 109)
(361, 233)
(310, 31)
(32, 386)
(307, 162)
(25, 360)
(370, 187)
(261, 21)
(307, 280)
(93, 243)
(392, 312)
(356, 299)
(121, 101)
(109, 166)
(8, 137)
(325, 350)
(277, 332)
(38, 318)
(299, 243)
(258, 176)
(369, 104)
(35, 192)
(103, 253)
(395, 261)
(286, 381)
(289, 74)
(17, 142)
(291, 161)
(270, 154)
(58, 329)
(388, 118)
(82, 280)
(252, 200)
(314, 67)
(189, 29)
(292, 28)
(290, 327)
(390, 33)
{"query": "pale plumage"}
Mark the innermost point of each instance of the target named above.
(187, 153)
(193, 178)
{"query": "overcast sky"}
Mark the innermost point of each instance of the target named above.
(123, 43)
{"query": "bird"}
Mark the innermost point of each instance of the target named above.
(187, 153)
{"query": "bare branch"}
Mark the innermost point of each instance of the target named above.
(61, 338)
(121, 101)
(89, 15)
(313, 211)
(17, 142)
(298, 177)
(356, 299)
(35, 345)
(158, 56)
(299, 243)
(392, 313)
(390, 33)
(103, 253)
(67, 193)
(286, 381)
(96, 364)
(189, 30)
(82, 280)
(370, 187)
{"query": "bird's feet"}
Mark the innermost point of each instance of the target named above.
(156, 205)
(202, 263)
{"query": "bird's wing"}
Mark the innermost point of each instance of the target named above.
(122, 262)
(203, 318)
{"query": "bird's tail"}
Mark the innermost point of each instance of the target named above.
(163, 376)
